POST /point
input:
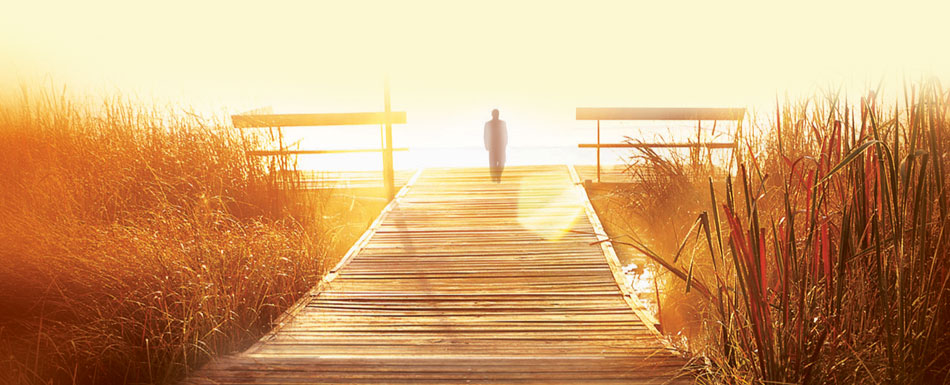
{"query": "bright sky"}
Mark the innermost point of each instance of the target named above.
(451, 63)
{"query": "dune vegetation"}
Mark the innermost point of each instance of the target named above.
(139, 242)
(822, 257)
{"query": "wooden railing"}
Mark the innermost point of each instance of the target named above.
(683, 114)
(385, 119)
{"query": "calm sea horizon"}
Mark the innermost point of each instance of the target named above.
(424, 157)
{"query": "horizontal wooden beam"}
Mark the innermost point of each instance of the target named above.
(598, 113)
(329, 119)
(657, 145)
(312, 152)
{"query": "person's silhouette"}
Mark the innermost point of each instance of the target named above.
(496, 139)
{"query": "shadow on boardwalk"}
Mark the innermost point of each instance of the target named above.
(465, 280)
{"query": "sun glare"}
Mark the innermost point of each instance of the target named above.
(551, 216)
(410, 191)
(452, 63)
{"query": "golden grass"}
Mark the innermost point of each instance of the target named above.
(824, 257)
(649, 211)
(137, 242)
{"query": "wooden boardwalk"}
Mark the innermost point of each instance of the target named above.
(315, 180)
(462, 280)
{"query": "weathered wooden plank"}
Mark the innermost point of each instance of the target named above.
(316, 152)
(712, 145)
(466, 281)
(326, 119)
(647, 113)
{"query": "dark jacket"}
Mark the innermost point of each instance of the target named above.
(496, 135)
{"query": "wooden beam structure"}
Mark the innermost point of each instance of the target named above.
(385, 119)
(675, 113)
(316, 152)
(315, 120)
(665, 113)
(714, 145)
(388, 142)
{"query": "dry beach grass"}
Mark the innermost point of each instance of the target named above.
(137, 243)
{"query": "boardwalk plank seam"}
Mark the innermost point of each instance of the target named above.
(361, 243)
(460, 280)
(615, 266)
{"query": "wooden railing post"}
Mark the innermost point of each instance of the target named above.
(649, 113)
(598, 151)
(388, 146)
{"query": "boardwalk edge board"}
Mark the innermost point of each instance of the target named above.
(615, 266)
(305, 299)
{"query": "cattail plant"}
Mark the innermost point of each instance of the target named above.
(827, 249)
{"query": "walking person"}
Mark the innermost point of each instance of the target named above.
(496, 139)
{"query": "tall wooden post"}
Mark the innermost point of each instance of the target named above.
(388, 145)
(598, 151)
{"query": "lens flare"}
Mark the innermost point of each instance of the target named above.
(542, 211)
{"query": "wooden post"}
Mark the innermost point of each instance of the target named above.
(598, 151)
(388, 145)
(699, 131)
(737, 138)
(699, 140)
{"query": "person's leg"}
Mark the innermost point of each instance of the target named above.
(501, 163)
(493, 165)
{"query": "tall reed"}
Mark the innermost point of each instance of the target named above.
(827, 251)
